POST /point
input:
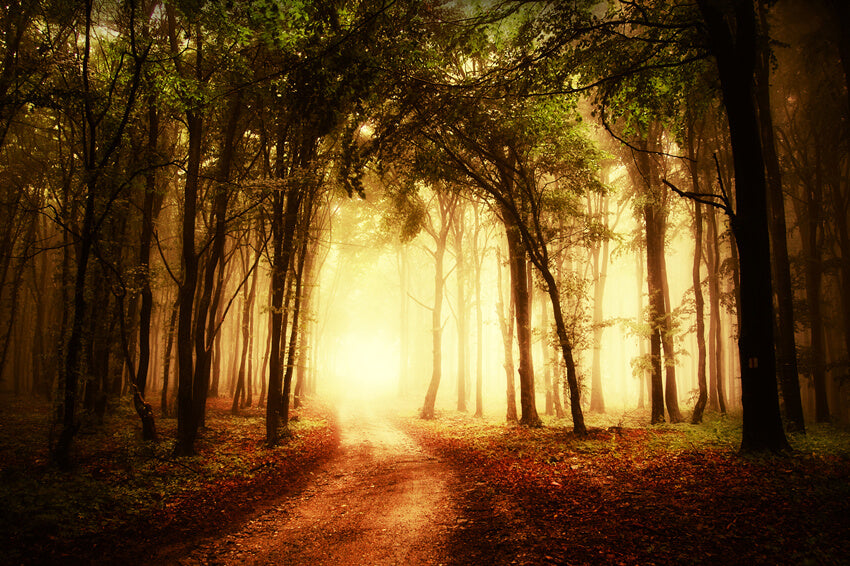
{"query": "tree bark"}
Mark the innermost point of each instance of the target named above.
(734, 48)
(544, 351)
(436, 331)
(699, 303)
(249, 293)
(786, 347)
(599, 255)
(404, 323)
(519, 284)
(810, 216)
(506, 324)
(460, 279)
(478, 258)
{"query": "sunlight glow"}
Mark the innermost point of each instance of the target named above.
(365, 365)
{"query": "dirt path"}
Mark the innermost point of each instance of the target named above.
(380, 500)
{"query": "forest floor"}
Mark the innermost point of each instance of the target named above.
(358, 486)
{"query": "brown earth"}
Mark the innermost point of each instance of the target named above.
(380, 499)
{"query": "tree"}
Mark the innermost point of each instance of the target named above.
(786, 347)
(510, 166)
(99, 143)
(445, 205)
(507, 325)
(732, 35)
(461, 311)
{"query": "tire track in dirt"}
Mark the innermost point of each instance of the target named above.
(380, 500)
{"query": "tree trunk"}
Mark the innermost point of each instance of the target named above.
(150, 211)
(404, 323)
(641, 373)
(699, 408)
(478, 258)
(187, 422)
(307, 286)
(166, 368)
(599, 255)
(656, 315)
(519, 284)
(187, 425)
(544, 350)
(572, 377)
(436, 333)
(284, 225)
(296, 315)
(734, 49)
(506, 324)
(810, 216)
(699, 302)
(460, 279)
(786, 347)
(671, 387)
(248, 294)
(716, 399)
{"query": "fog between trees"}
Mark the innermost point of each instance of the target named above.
(513, 208)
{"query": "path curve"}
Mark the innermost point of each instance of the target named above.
(380, 500)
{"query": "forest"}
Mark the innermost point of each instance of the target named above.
(575, 251)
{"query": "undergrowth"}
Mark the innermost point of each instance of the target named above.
(665, 494)
(120, 484)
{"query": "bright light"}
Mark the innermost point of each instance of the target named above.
(365, 365)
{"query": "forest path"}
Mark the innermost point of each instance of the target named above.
(380, 500)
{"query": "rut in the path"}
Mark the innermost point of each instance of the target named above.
(380, 500)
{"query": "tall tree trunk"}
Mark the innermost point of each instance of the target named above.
(544, 350)
(810, 216)
(214, 331)
(284, 224)
(404, 320)
(436, 329)
(506, 324)
(460, 279)
(150, 211)
(187, 425)
(95, 156)
(699, 303)
(696, 279)
(732, 38)
(249, 292)
(187, 422)
(716, 399)
(599, 258)
(566, 348)
(206, 323)
(166, 367)
(671, 387)
(642, 372)
(519, 284)
(656, 313)
(296, 315)
(645, 176)
(479, 323)
(307, 285)
(61, 453)
(786, 347)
